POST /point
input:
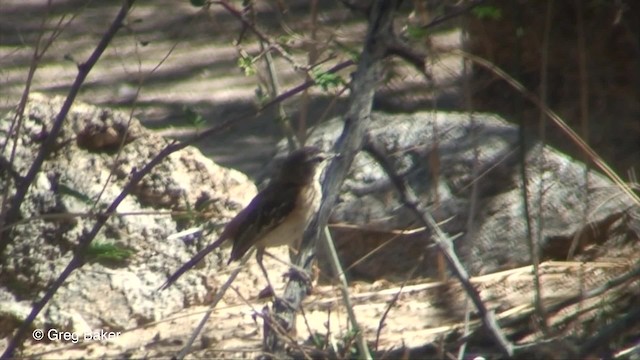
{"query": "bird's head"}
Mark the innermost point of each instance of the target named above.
(304, 165)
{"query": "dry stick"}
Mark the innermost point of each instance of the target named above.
(534, 246)
(410, 200)
(446, 17)
(357, 118)
(218, 296)
(474, 186)
(216, 299)
(336, 267)
(8, 216)
(582, 296)
(283, 118)
(307, 84)
(392, 302)
(597, 160)
(85, 215)
(47, 146)
(123, 139)
(473, 205)
(38, 53)
(467, 325)
(583, 94)
(274, 84)
(272, 44)
(609, 332)
(588, 294)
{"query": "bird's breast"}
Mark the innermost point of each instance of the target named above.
(291, 230)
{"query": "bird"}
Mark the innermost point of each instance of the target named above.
(277, 215)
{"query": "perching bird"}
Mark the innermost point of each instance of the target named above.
(277, 216)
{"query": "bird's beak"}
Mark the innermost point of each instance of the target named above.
(331, 155)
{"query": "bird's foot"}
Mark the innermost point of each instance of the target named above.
(279, 302)
(300, 275)
(267, 292)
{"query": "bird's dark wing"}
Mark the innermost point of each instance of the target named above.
(267, 210)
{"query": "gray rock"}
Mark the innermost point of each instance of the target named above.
(82, 177)
(466, 170)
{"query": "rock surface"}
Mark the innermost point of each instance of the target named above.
(466, 170)
(82, 177)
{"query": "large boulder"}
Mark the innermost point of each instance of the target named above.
(95, 152)
(466, 169)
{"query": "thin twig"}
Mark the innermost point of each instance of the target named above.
(264, 38)
(283, 118)
(584, 147)
(6, 217)
(410, 200)
(216, 299)
(22, 188)
(534, 246)
(446, 17)
(357, 118)
(307, 84)
(336, 267)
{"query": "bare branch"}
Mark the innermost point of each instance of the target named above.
(365, 81)
(410, 200)
(13, 212)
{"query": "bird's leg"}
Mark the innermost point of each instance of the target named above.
(295, 272)
(259, 257)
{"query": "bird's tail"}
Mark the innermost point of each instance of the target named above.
(192, 262)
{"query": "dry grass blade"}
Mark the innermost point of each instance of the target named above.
(584, 147)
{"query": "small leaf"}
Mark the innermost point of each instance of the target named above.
(326, 80)
(107, 253)
(245, 62)
(416, 32)
(193, 117)
(487, 12)
(197, 3)
(65, 190)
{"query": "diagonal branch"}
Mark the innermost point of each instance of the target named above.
(13, 213)
(410, 200)
(357, 118)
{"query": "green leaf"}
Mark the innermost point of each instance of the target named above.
(326, 80)
(65, 190)
(107, 253)
(245, 62)
(197, 3)
(487, 12)
(416, 32)
(193, 117)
